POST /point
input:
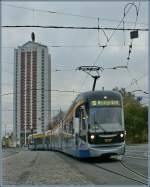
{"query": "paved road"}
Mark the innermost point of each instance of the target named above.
(47, 167)
(43, 167)
(9, 152)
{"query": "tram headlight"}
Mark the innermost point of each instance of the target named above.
(92, 136)
(121, 135)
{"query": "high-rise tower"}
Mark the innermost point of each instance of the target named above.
(32, 90)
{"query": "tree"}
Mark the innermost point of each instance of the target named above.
(136, 118)
(56, 120)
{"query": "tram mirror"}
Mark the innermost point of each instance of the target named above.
(76, 125)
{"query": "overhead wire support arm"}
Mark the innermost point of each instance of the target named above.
(134, 32)
(124, 14)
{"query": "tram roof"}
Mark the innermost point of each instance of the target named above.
(38, 135)
(98, 95)
(90, 95)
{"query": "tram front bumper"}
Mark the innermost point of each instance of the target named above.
(97, 151)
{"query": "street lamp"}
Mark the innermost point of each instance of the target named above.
(5, 129)
(139, 98)
(140, 91)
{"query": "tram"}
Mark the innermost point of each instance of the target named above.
(38, 142)
(92, 127)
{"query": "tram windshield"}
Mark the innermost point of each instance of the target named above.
(105, 118)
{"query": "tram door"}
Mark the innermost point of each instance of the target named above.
(82, 121)
(76, 129)
(84, 124)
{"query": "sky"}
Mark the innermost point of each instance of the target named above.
(78, 47)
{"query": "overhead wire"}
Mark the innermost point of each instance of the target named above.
(72, 46)
(108, 40)
(133, 80)
(137, 11)
(136, 80)
(75, 46)
(137, 14)
(98, 55)
(38, 100)
(48, 90)
(67, 14)
(72, 27)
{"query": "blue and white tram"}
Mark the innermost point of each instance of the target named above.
(92, 127)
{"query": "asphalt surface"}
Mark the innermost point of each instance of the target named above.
(48, 167)
(9, 152)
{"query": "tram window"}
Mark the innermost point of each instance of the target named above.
(87, 106)
(65, 127)
(83, 122)
(71, 127)
(68, 129)
(77, 113)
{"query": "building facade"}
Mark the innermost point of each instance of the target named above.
(32, 78)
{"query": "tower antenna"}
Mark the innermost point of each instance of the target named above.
(33, 37)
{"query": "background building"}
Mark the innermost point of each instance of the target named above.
(32, 90)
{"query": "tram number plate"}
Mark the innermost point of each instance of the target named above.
(108, 140)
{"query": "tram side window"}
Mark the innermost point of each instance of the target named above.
(71, 130)
(83, 122)
(64, 127)
(77, 113)
(67, 128)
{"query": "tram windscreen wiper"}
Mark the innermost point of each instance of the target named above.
(102, 128)
(95, 123)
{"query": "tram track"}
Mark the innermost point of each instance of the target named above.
(119, 174)
(135, 172)
(138, 177)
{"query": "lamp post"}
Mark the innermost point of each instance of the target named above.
(41, 125)
(31, 137)
(5, 130)
(25, 135)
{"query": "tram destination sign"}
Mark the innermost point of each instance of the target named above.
(105, 103)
